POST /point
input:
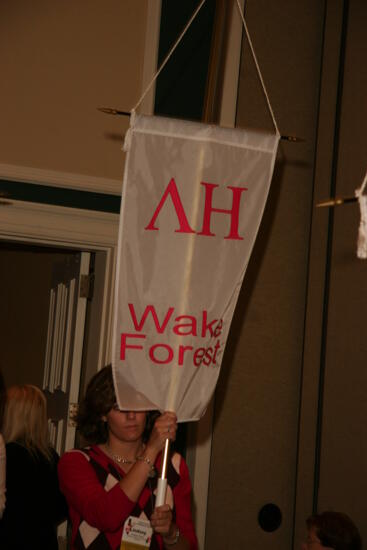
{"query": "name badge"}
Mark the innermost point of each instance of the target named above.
(136, 534)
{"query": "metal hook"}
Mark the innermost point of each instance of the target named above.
(110, 111)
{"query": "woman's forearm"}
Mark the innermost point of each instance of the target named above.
(134, 481)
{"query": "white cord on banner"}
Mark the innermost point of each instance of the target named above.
(188, 24)
(362, 231)
(258, 68)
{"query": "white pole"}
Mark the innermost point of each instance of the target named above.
(162, 480)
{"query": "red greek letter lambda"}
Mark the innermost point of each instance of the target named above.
(233, 212)
(176, 200)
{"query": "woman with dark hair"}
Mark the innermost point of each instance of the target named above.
(332, 530)
(2, 447)
(34, 503)
(110, 486)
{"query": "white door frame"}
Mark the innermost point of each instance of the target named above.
(70, 228)
(85, 230)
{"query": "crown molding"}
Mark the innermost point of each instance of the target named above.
(58, 225)
(53, 178)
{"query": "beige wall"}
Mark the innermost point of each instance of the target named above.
(301, 314)
(59, 62)
(257, 400)
(343, 471)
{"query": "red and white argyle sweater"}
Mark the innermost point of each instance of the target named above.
(98, 507)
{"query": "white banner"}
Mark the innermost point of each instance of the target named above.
(192, 200)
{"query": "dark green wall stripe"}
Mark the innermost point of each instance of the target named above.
(59, 196)
(180, 89)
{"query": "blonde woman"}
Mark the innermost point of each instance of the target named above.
(34, 504)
